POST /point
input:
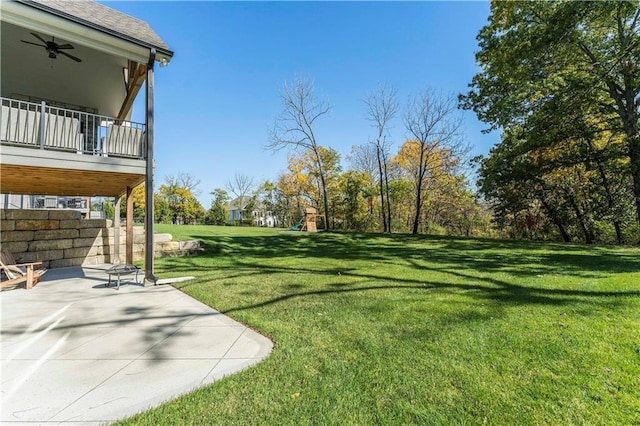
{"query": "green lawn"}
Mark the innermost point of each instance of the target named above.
(400, 329)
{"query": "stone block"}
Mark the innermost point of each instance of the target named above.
(93, 223)
(33, 256)
(7, 225)
(11, 236)
(27, 214)
(87, 242)
(55, 234)
(36, 225)
(3, 214)
(70, 224)
(65, 214)
(63, 263)
(16, 246)
(138, 238)
(93, 260)
(162, 238)
(45, 245)
(190, 245)
(91, 232)
(168, 246)
(80, 252)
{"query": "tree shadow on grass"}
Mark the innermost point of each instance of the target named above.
(482, 256)
(481, 266)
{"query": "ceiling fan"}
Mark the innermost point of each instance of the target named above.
(53, 48)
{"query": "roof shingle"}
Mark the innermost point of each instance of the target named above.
(103, 18)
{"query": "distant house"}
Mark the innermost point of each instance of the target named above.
(81, 204)
(258, 214)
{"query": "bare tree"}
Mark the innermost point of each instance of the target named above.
(432, 120)
(363, 158)
(184, 180)
(381, 109)
(240, 185)
(293, 128)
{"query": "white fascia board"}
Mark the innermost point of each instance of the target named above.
(43, 22)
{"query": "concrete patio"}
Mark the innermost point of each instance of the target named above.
(76, 352)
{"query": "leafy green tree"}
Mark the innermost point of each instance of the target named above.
(109, 210)
(184, 207)
(161, 209)
(217, 213)
(545, 63)
(354, 198)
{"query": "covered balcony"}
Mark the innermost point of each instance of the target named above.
(102, 155)
(71, 75)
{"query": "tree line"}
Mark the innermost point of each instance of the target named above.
(420, 187)
(561, 80)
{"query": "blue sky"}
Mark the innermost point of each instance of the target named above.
(217, 99)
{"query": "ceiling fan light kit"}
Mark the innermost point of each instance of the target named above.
(53, 49)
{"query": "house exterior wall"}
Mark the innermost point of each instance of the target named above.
(61, 238)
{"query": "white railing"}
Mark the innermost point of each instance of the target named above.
(54, 202)
(29, 124)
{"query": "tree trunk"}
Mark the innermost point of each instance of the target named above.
(384, 215)
(324, 190)
(556, 220)
(386, 184)
(634, 157)
(588, 237)
(610, 201)
(421, 172)
(416, 219)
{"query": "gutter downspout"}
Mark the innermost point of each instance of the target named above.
(150, 278)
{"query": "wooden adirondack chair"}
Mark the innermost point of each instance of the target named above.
(16, 273)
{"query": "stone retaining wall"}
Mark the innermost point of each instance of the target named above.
(62, 238)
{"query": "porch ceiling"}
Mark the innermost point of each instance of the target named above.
(20, 179)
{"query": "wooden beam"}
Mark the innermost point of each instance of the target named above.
(49, 181)
(137, 75)
(129, 229)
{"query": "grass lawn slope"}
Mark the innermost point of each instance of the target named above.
(400, 329)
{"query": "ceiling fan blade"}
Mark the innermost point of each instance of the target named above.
(39, 38)
(70, 56)
(66, 46)
(35, 44)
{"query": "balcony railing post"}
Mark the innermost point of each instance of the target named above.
(42, 123)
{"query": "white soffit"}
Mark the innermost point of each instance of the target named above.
(40, 21)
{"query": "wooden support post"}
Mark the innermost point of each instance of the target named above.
(116, 232)
(29, 283)
(129, 241)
